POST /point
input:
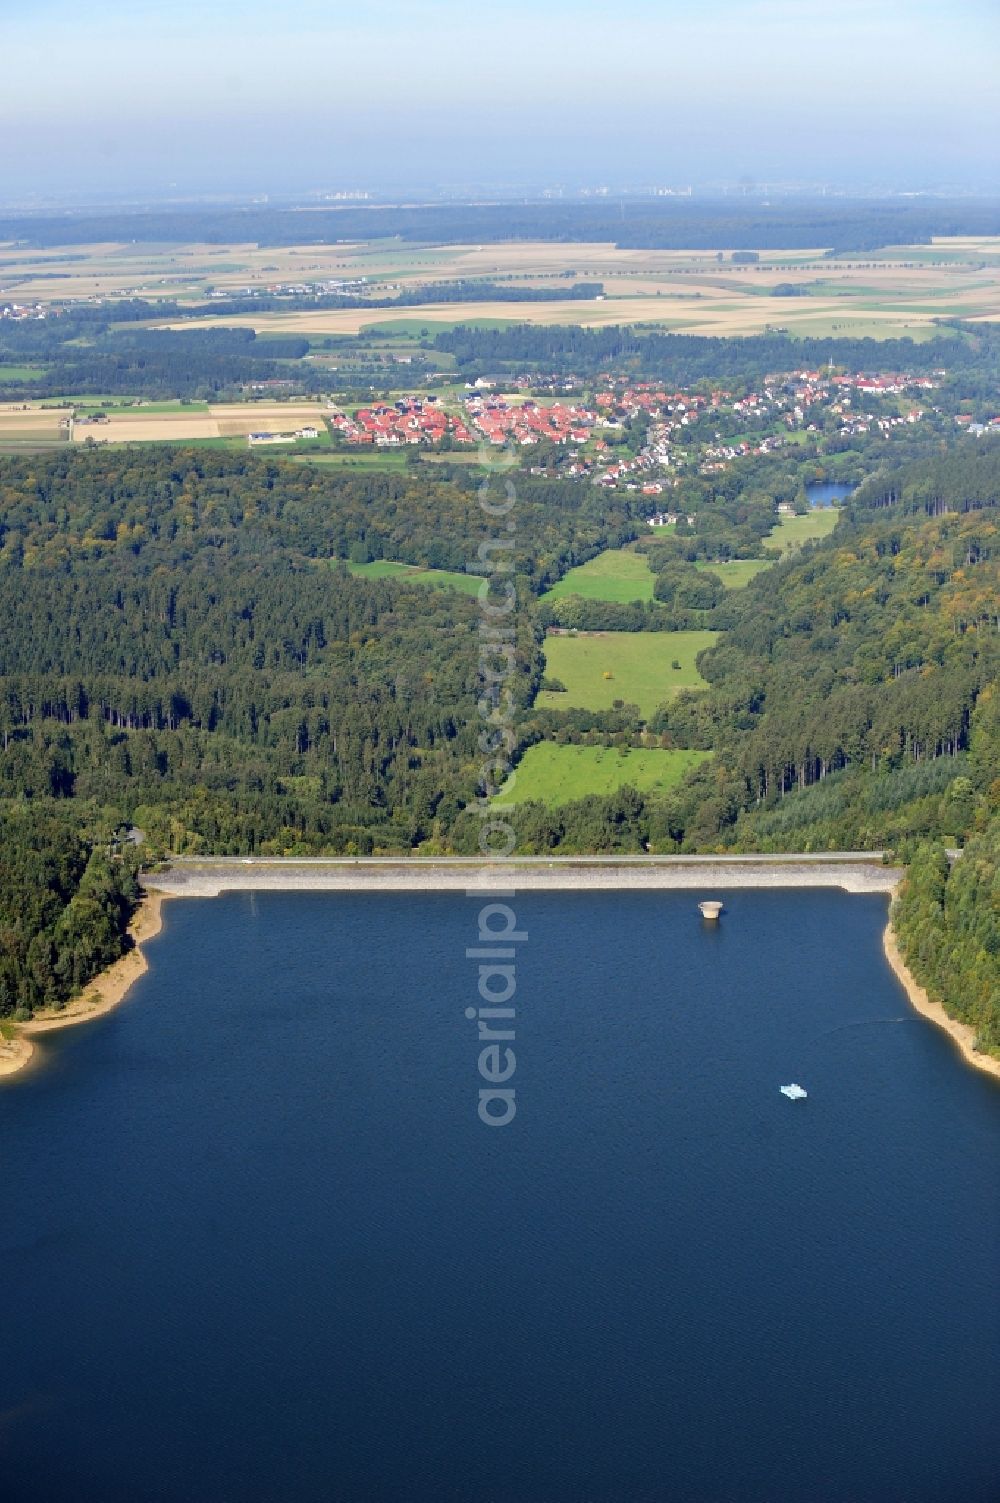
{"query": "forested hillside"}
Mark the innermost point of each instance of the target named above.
(948, 922)
(71, 508)
(181, 643)
(64, 904)
(845, 692)
(183, 650)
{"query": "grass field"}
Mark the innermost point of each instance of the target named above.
(623, 575)
(147, 409)
(617, 574)
(442, 579)
(555, 775)
(414, 327)
(738, 572)
(792, 532)
(598, 668)
(20, 372)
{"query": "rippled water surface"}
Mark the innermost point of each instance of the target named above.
(258, 1246)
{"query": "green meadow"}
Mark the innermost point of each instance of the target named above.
(194, 443)
(415, 328)
(136, 409)
(736, 573)
(20, 372)
(600, 667)
(792, 532)
(618, 574)
(845, 327)
(442, 579)
(554, 775)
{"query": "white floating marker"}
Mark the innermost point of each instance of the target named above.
(710, 910)
(793, 1092)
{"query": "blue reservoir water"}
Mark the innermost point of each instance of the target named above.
(257, 1245)
(828, 493)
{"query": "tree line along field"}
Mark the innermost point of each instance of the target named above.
(554, 775)
(638, 667)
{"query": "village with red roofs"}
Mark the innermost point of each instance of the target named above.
(638, 434)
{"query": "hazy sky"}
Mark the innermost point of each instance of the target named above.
(257, 95)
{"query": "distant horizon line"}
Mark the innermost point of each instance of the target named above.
(540, 194)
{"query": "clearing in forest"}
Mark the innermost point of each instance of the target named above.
(792, 532)
(554, 775)
(638, 667)
(617, 574)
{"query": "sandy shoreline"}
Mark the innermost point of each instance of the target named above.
(99, 996)
(962, 1034)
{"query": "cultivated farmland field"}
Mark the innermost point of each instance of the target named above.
(600, 667)
(618, 574)
(38, 425)
(137, 428)
(174, 423)
(555, 775)
(897, 290)
(236, 420)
